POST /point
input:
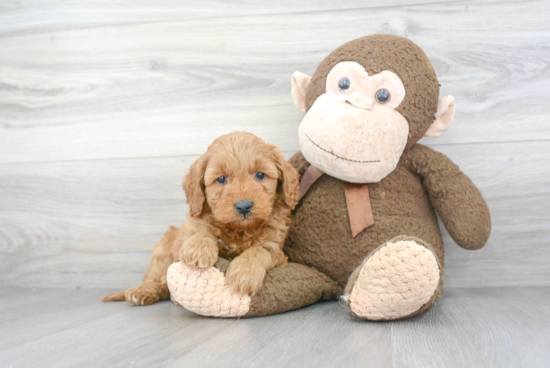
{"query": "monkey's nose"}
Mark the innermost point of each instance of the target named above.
(244, 207)
(360, 101)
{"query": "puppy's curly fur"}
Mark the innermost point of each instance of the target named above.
(237, 168)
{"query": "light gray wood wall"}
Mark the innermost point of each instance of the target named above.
(104, 105)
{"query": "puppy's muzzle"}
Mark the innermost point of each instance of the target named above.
(244, 207)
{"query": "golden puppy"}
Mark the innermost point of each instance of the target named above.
(240, 195)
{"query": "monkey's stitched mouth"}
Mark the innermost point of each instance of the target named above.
(341, 158)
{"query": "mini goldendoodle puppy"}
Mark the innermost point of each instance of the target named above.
(240, 195)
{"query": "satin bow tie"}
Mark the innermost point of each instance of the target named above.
(357, 200)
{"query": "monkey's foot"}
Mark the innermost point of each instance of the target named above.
(397, 280)
(205, 292)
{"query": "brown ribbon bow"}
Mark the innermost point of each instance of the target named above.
(357, 200)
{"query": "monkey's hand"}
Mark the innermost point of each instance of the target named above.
(454, 196)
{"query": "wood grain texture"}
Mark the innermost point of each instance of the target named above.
(104, 105)
(39, 16)
(477, 328)
(495, 327)
(144, 89)
(94, 223)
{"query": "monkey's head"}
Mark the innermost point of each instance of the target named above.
(367, 102)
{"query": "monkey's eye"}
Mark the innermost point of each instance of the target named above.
(383, 96)
(260, 176)
(221, 180)
(344, 84)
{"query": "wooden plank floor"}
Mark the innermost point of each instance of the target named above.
(493, 327)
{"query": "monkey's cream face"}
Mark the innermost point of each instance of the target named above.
(353, 132)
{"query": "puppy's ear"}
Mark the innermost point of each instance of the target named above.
(193, 185)
(289, 180)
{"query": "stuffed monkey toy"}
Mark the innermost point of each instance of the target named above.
(366, 228)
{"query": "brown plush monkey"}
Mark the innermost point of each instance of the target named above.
(366, 228)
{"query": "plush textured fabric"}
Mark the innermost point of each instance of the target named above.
(396, 280)
(343, 144)
(291, 287)
(205, 292)
(396, 54)
(320, 235)
(454, 196)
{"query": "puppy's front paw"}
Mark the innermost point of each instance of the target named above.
(199, 251)
(244, 276)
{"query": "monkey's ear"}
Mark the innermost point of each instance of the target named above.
(300, 82)
(443, 117)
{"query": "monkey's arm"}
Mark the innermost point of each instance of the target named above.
(299, 163)
(454, 196)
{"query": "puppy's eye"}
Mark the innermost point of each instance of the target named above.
(260, 176)
(383, 96)
(344, 84)
(221, 180)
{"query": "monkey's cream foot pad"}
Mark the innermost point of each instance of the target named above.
(394, 282)
(205, 292)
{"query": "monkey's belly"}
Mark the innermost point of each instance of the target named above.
(320, 234)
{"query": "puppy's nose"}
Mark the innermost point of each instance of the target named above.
(244, 207)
